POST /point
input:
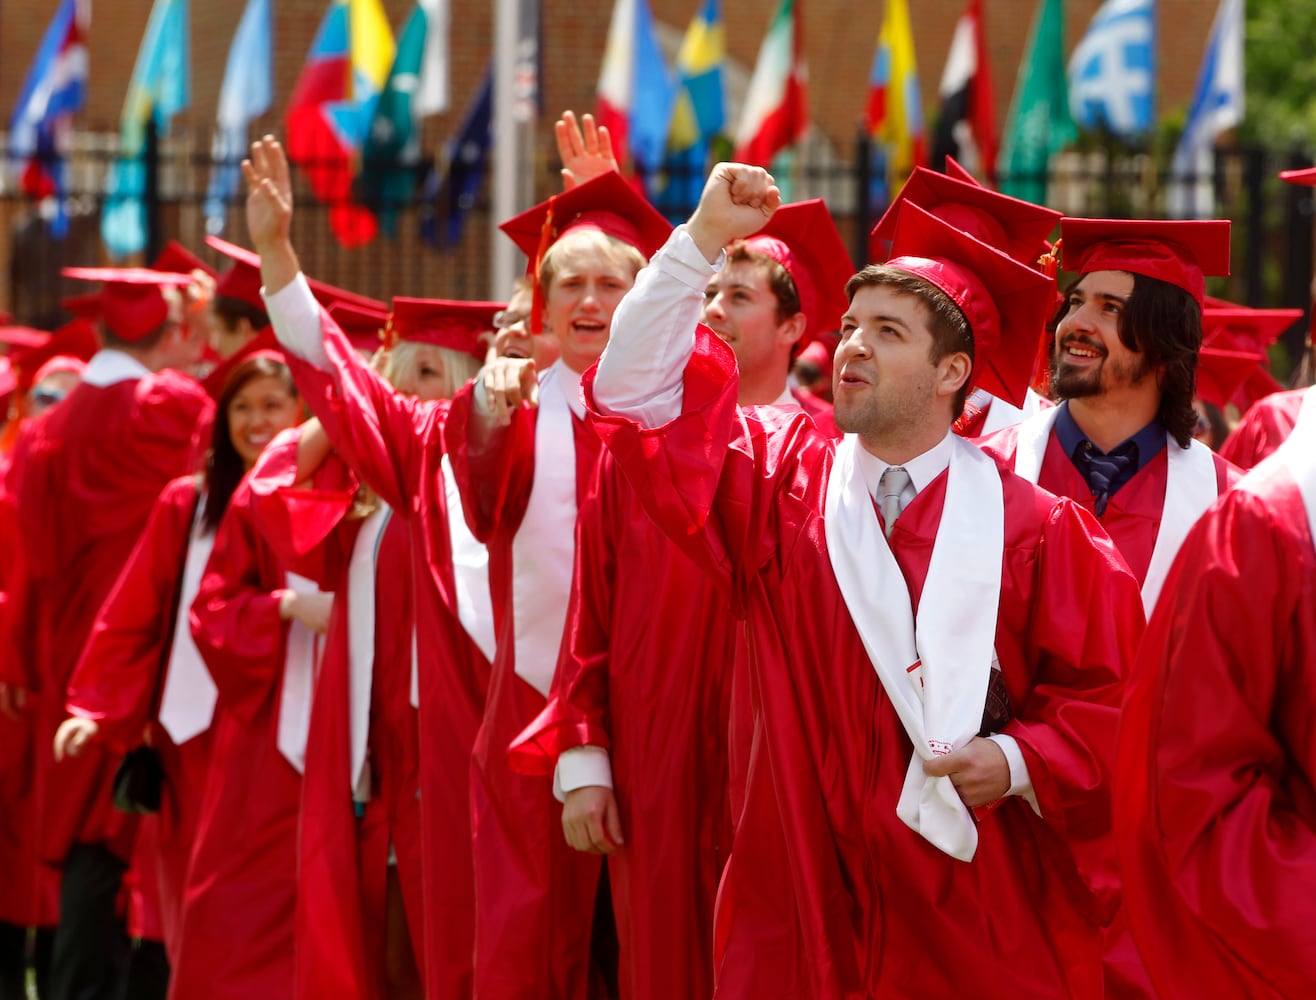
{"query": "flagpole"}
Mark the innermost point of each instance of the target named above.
(506, 151)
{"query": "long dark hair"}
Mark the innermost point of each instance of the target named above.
(224, 466)
(1165, 323)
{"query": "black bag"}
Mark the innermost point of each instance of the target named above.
(139, 782)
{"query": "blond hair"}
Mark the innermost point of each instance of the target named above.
(397, 362)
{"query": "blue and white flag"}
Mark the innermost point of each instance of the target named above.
(1112, 73)
(1217, 106)
(247, 92)
(55, 87)
(160, 87)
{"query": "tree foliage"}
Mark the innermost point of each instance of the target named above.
(1280, 72)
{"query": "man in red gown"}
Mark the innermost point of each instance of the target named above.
(1124, 359)
(1215, 812)
(858, 868)
(88, 473)
(667, 827)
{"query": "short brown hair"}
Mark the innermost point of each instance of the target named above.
(779, 279)
(951, 333)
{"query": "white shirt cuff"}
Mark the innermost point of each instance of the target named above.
(295, 316)
(1021, 783)
(581, 767)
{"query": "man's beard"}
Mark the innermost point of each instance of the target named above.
(1074, 382)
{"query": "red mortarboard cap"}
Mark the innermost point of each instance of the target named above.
(177, 258)
(1238, 328)
(22, 338)
(959, 173)
(241, 282)
(605, 203)
(362, 325)
(1006, 303)
(1305, 177)
(76, 339)
(1015, 227)
(803, 239)
(1179, 252)
(131, 302)
(262, 345)
(443, 322)
(326, 294)
(1221, 373)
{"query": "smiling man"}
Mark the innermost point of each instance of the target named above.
(1124, 363)
(936, 645)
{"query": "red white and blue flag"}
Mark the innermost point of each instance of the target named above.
(54, 89)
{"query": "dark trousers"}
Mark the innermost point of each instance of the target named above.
(16, 958)
(90, 955)
(148, 972)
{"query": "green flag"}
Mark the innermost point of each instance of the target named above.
(1039, 123)
(390, 159)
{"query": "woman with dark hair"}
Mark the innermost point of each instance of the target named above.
(140, 678)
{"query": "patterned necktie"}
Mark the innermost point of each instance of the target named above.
(1106, 473)
(892, 484)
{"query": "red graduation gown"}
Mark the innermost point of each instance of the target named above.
(535, 894)
(1264, 427)
(1215, 808)
(118, 682)
(240, 897)
(89, 472)
(656, 697)
(395, 445)
(343, 860)
(827, 893)
(1133, 515)
(31, 896)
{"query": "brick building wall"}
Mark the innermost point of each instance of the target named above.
(840, 38)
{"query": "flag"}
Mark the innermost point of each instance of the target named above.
(777, 102)
(1112, 73)
(1217, 106)
(468, 156)
(895, 107)
(1039, 123)
(966, 125)
(700, 111)
(246, 93)
(160, 87)
(417, 86)
(332, 106)
(55, 87)
(636, 89)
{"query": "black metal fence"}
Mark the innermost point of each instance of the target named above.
(1272, 236)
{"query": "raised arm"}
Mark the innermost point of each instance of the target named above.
(377, 431)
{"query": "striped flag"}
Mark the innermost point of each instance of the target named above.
(636, 90)
(776, 111)
(895, 106)
(966, 126)
(53, 90)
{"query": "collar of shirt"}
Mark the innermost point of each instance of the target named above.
(1147, 443)
(571, 387)
(922, 469)
(109, 367)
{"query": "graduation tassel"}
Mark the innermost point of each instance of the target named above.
(1048, 264)
(546, 235)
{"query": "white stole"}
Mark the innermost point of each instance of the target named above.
(303, 653)
(187, 704)
(954, 634)
(1298, 455)
(1190, 488)
(1001, 414)
(361, 591)
(544, 549)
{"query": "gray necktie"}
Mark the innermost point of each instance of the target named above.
(892, 484)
